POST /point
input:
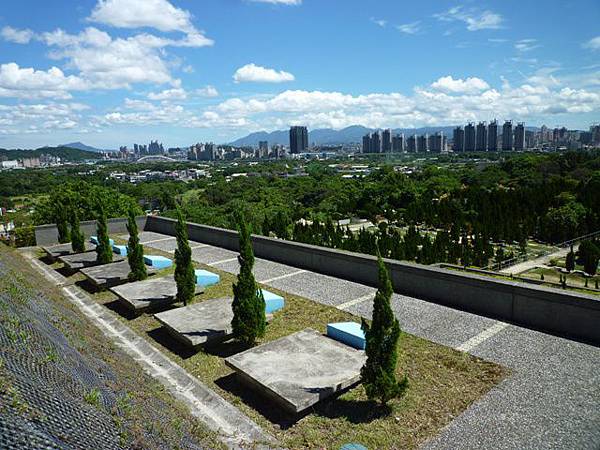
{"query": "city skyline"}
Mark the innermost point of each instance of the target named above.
(109, 72)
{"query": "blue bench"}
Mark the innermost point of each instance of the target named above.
(273, 302)
(206, 278)
(157, 261)
(349, 333)
(120, 249)
(94, 240)
(353, 447)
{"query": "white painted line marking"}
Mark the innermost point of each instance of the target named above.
(157, 240)
(281, 277)
(356, 301)
(482, 337)
(223, 261)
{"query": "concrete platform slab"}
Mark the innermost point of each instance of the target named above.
(299, 370)
(166, 245)
(147, 236)
(197, 324)
(322, 288)
(109, 275)
(263, 269)
(149, 294)
(56, 251)
(79, 261)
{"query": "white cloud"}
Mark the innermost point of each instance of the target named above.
(410, 28)
(207, 91)
(169, 94)
(17, 36)
(473, 18)
(30, 83)
(593, 43)
(379, 22)
(159, 14)
(468, 85)
(259, 74)
(279, 2)
(526, 45)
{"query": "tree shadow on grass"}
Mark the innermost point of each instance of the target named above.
(117, 307)
(88, 286)
(354, 411)
(225, 349)
(161, 336)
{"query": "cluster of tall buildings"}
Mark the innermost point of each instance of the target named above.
(386, 142)
(298, 140)
(154, 148)
(484, 137)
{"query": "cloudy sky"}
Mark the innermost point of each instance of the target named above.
(115, 72)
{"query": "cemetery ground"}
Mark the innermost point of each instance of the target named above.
(145, 415)
(443, 382)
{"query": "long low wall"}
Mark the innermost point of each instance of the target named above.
(48, 234)
(546, 309)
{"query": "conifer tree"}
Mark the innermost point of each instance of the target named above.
(135, 251)
(570, 260)
(184, 269)
(103, 250)
(379, 372)
(77, 238)
(249, 321)
(62, 222)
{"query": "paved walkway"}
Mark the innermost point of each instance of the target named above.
(533, 263)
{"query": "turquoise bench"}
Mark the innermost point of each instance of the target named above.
(349, 333)
(273, 302)
(120, 249)
(206, 278)
(353, 447)
(94, 240)
(157, 261)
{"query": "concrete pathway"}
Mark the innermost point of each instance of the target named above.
(533, 263)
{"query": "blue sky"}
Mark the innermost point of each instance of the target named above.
(115, 72)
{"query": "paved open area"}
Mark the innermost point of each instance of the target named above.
(109, 275)
(299, 370)
(79, 261)
(551, 399)
(56, 251)
(148, 294)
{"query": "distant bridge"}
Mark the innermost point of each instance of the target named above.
(155, 158)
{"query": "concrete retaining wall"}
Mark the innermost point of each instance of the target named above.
(48, 234)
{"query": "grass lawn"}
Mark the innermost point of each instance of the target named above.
(443, 381)
(574, 279)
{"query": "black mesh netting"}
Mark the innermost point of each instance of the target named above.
(51, 396)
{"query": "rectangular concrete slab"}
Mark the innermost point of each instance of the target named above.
(199, 323)
(109, 275)
(147, 236)
(56, 251)
(263, 269)
(81, 260)
(299, 370)
(148, 294)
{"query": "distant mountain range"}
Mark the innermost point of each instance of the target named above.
(65, 153)
(328, 136)
(82, 146)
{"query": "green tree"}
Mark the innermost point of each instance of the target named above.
(77, 238)
(249, 321)
(62, 222)
(184, 269)
(570, 260)
(589, 255)
(135, 251)
(379, 372)
(103, 249)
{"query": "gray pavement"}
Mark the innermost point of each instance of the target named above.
(550, 401)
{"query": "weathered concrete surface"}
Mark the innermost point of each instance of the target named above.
(109, 275)
(149, 294)
(79, 261)
(299, 370)
(56, 251)
(199, 323)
